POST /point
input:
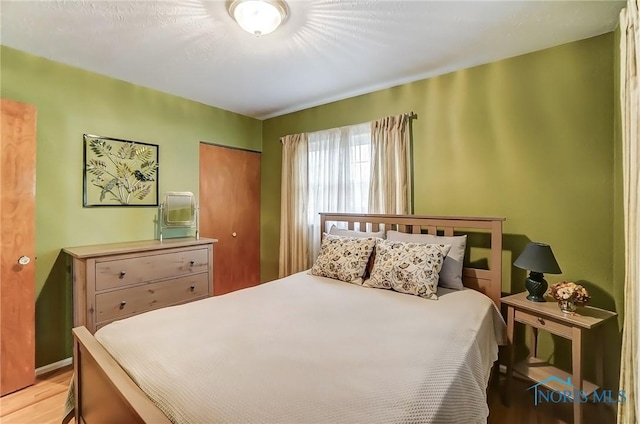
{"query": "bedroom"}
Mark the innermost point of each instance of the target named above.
(534, 138)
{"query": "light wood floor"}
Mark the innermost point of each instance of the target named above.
(43, 402)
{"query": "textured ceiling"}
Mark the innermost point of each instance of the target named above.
(327, 49)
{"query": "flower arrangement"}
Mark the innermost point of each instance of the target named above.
(571, 292)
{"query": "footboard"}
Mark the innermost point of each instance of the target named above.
(104, 393)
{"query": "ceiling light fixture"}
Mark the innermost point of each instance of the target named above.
(258, 17)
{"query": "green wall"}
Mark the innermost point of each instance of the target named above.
(71, 102)
(529, 138)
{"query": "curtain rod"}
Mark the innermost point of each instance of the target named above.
(411, 115)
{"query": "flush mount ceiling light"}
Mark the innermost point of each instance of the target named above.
(258, 17)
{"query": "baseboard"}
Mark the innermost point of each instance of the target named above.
(52, 367)
(502, 369)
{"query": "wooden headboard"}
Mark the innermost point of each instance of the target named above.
(487, 281)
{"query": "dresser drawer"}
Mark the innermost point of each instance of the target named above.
(127, 271)
(548, 324)
(135, 300)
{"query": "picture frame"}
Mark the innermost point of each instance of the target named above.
(119, 172)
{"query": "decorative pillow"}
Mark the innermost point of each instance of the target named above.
(343, 258)
(335, 231)
(408, 267)
(451, 273)
(359, 234)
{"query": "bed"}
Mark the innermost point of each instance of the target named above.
(305, 348)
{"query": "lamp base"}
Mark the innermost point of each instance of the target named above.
(536, 298)
(536, 286)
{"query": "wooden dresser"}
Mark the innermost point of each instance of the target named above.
(119, 280)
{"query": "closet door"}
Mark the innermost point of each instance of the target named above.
(230, 212)
(17, 245)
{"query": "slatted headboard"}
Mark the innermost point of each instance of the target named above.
(487, 281)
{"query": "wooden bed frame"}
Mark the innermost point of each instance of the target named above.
(104, 393)
(486, 281)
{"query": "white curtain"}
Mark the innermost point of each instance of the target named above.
(339, 167)
(390, 191)
(294, 233)
(629, 411)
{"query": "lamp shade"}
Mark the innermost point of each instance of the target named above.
(538, 257)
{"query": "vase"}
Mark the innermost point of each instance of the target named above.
(567, 306)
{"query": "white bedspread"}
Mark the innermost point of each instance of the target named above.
(308, 349)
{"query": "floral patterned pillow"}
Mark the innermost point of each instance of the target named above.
(343, 258)
(411, 268)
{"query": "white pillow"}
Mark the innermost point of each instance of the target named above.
(410, 268)
(335, 231)
(451, 273)
(343, 258)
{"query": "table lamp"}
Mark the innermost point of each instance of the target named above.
(538, 259)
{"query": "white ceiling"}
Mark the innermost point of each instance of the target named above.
(327, 49)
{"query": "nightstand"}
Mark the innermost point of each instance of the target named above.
(548, 317)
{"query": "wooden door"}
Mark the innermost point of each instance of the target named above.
(17, 241)
(230, 212)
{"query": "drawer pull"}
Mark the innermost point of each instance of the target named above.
(122, 274)
(123, 304)
(193, 287)
(192, 263)
(541, 321)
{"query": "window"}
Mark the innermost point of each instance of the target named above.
(335, 171)
(339, 166)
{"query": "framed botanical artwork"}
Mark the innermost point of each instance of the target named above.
(119, 172)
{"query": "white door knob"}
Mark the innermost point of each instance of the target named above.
(234, 234)
(24, 260)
